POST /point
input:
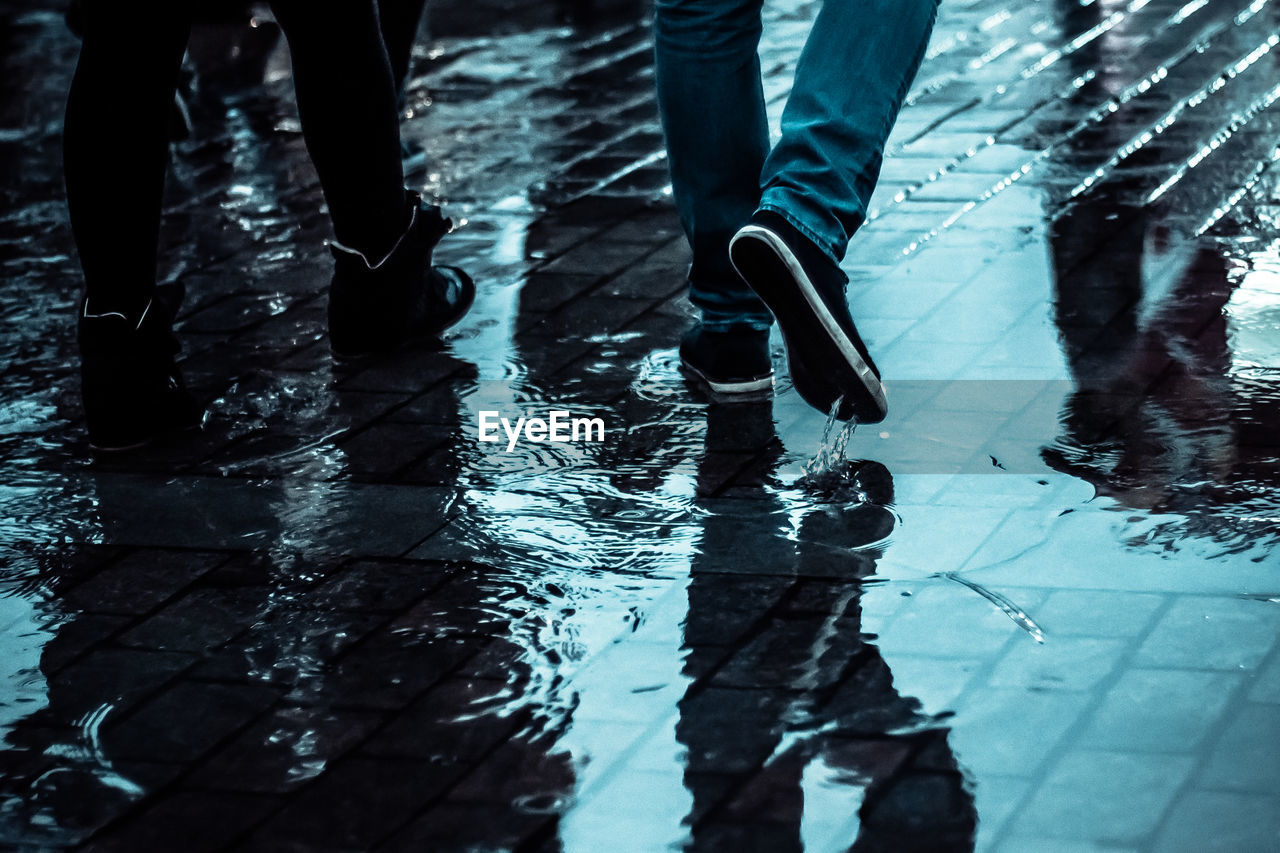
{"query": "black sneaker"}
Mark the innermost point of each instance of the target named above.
(805, 290)
(379, 306)
(733, 361)
(130, 383)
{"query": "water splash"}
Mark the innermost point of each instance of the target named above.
(829, 466)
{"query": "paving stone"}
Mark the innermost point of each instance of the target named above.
(1266, 687)
(1178, 709)
(1246, 756)
(79, 635)
(1211, 820)
(1116, 798)
(285, 750)
(383, 449)
(185, 721)
(459, 826)
(197, 622)
(1211, 633)
(140, 581)
(460, 718)
(117, 678)
(1060, 663)
(381, 586)
(1018, 729)
(186, 820)
(520, 771)
(290, 649)
(386, 671)
(1085, 613)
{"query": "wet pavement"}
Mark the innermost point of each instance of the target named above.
(1036, 609)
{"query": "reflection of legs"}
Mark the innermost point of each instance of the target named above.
(116, 146)
(729, 732)
(852, 76)
(349, 117)
(712, 107)
(922, 806)
(780, 658)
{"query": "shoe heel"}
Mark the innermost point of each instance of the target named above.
(825, 364)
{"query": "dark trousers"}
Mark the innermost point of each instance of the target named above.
(117, 128)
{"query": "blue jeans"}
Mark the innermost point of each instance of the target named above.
(854, 71)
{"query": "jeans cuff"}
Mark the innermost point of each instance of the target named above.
(801, 212)
(719, 320)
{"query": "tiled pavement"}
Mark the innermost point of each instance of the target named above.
(1043, 618)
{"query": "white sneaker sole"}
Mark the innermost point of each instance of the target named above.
(746, 386)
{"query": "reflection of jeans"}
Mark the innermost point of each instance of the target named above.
(787, 694)
(857, 64)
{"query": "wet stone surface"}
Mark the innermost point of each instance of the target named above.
(1039, 613)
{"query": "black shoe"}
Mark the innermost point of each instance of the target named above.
(131, 386)
(379, 306)
(733, 361)
(805, 291)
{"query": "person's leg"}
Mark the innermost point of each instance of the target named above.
(385, 292)
(853, 74)
(347, 102)
(116, 145)
(713, 114)
(854, 71)
(400, 22)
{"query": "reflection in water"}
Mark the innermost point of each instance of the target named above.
(1162, 419)
(480, 678)
(795, 736)
(22, 635)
